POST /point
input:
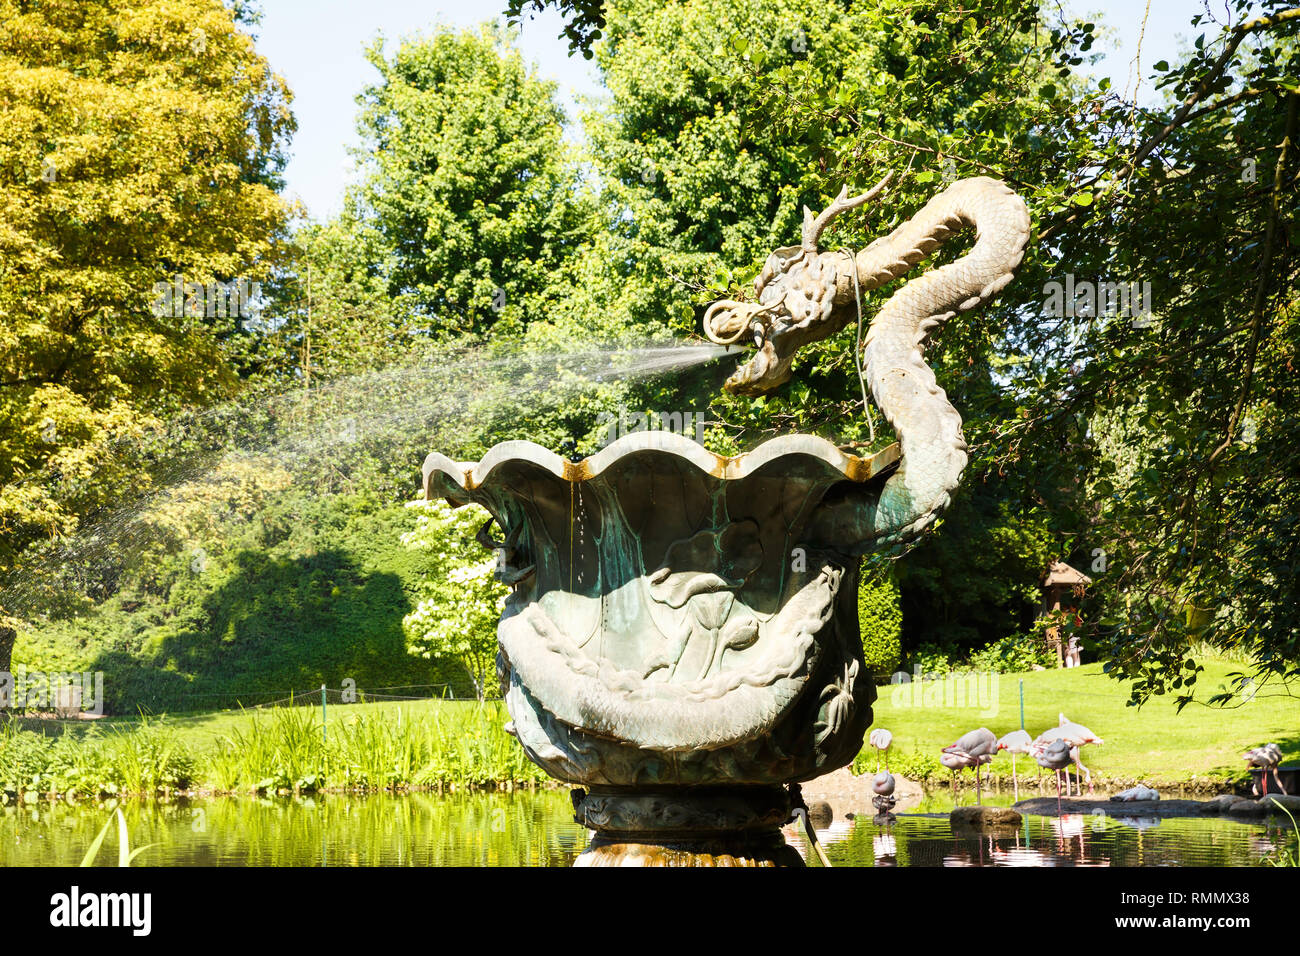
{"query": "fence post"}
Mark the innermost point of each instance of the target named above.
(324, 735)
(1022, 703)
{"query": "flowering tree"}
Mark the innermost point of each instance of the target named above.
(457, 613)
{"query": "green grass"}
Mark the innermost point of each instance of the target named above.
(389, 745)
(1155, 744)
(411, 744)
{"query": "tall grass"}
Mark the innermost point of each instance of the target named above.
(461, 745)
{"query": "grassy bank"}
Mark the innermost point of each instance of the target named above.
(392, 745)
(457, 744)
(1200, 747)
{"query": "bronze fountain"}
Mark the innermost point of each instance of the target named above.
(681, 642)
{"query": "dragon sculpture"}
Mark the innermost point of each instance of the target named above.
(805, 294)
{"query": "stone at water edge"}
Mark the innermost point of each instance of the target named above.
(1288, 802)
(820, 814)
(981, 817)
(1249, 808)
(1224, 803)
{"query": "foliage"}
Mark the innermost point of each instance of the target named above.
(124, 852)
(367, 747)
(143, 141)
(302, 591)
(457, 614)
(583, 20)
(468, 180)
(880, 619)
(149, 758)
(1013, 654)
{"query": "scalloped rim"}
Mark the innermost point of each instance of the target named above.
(472, 475)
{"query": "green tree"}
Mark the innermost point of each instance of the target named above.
(142, 141)
(468, 179)
(880, 618)
(456, 617)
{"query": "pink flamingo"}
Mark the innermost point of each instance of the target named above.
(1077, 736)
(976, 747)
(1016, 742)
(1267, 757)
(1055, 756)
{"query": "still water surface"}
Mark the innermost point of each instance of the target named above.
(537, 829)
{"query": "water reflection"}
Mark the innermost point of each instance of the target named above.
(537, 829)
(1072, 840)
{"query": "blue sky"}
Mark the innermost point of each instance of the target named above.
(317, 46)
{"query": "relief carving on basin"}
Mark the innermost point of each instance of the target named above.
(677, 618)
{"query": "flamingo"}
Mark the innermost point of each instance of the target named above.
(1140, 792)
(1016, 742)
(880, 738)
(1055, 756)
(883, 787)
(1077, 736)
(1267, 757)
(977, 747)
(955, 762)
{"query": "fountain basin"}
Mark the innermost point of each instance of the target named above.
(679, 621)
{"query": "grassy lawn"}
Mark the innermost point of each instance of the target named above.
(1154, 743)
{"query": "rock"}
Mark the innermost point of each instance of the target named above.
(1222, 803)
(1288, 802)
(1248, 808)
(980, 818)
(1162, 809)
(820, 814)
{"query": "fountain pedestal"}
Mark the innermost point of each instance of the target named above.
(695, 826)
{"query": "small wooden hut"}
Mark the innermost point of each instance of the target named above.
(1062, 589)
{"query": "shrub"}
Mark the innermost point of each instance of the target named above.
(1014, 653)
(880, 618)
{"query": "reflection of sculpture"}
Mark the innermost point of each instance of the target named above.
(681, 638)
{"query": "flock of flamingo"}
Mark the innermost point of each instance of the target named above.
(1054, 749)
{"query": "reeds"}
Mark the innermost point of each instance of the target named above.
(453, 745)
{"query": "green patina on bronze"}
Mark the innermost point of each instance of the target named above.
(682, 622)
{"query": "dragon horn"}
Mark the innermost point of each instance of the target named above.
(813, 227)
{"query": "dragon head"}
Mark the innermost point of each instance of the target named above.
(797, 293)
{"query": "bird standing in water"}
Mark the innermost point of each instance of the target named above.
(973, 749)
(1076, 735)
(1016, 742)
(1055, 756)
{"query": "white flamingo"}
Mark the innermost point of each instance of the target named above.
(880, 738)
(977, 747)
(1266, 757)
(1016, 742)
(1076, 735)
(1053, 755)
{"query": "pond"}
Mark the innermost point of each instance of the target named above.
(537, 829)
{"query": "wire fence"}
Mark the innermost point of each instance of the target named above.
(202, 704)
